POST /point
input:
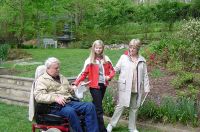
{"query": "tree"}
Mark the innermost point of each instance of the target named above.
(16, 18)
(145, 16)
(167, 12)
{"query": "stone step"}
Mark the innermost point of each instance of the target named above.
(13, 100)
(14, 91)
(15, 87)
(20, 81)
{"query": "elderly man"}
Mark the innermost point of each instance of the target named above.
(53, 88)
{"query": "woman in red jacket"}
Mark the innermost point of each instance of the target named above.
(99, 70)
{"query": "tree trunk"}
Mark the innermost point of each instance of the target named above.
(21, 30)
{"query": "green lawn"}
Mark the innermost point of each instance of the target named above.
(14, 118)
(72, 60)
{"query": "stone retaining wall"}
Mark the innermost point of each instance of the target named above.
(16, 90)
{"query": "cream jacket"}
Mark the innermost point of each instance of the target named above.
(46, 89)
(125, 67)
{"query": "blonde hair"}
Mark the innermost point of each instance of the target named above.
(136, 43)
(92, 53)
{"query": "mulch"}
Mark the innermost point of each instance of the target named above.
(162, 87)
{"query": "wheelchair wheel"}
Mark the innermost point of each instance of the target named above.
(53, 130)
(50, 130)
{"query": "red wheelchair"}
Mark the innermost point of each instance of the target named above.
(46, 121)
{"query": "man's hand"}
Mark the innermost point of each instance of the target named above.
(61, 100)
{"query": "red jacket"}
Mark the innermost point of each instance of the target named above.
(92, 71)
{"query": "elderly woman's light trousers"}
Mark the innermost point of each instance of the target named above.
(132, 113)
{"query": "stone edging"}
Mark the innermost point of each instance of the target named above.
(160, 126)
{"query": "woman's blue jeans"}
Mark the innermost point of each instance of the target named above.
(70, 111)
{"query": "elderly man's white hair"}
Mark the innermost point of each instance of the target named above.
(50, 61)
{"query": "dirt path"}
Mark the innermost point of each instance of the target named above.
(161, 87)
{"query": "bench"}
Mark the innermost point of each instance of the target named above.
(50, 42)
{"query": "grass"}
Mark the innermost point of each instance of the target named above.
(72, 60)
(15, 119)
(156, 73)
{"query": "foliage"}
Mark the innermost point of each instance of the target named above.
(145, 15)
(108, 102)
(156, 73)
(181, 50)
(23, 20)
(4, 48)
(195, 8)
(168, 12)
(182, 79)
(187, 85)
(15, 54)
(190, 32)
(149, 110)
(113, 12)
(28, 47)
(171, 110)
(175, 66)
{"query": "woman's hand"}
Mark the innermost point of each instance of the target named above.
(73, 87)
(107, 78)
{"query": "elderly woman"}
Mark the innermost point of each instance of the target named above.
(133, 82)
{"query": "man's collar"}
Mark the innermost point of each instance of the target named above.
(46, 75)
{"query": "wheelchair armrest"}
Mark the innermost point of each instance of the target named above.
(74, 99)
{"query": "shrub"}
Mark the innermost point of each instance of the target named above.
(108, 102)
(17, 54)
(196, 79)
(4, 48)
(189, 51)
(171, 110)
(175, 66)
(149, 110)
(187, 85)
(28, 46)
(181, 50)
(182, 79)
(187, 111)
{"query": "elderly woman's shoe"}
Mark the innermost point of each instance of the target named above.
(133, 130)
(109, 128)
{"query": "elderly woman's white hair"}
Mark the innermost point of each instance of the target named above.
(50, 61)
